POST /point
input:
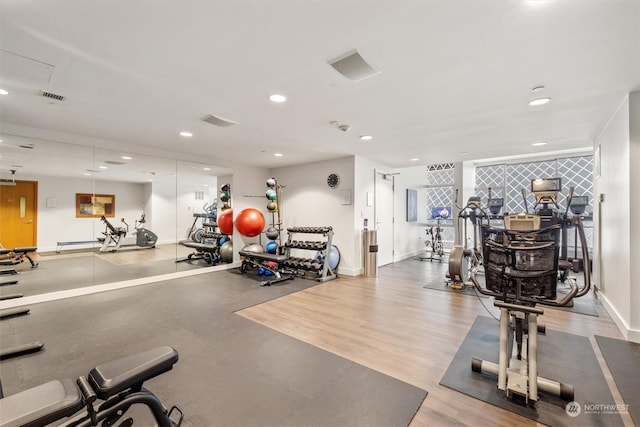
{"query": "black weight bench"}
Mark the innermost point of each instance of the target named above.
(266, 260)
(209, 252)
(20, 349)
(117, 383)
(17, 255)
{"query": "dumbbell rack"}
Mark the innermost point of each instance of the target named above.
(312, 265)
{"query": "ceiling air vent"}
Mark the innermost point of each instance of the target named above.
(219, 121)
(353, 66)
(52, 95)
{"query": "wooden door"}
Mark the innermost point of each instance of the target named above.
(19, 214)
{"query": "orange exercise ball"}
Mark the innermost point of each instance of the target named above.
(225, 221)
(250, 222)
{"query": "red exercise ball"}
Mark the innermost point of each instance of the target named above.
(250, 222)
(225, 221)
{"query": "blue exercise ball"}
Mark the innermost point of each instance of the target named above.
(271, 247)
(334, 257)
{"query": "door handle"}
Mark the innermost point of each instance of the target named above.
(30, 221)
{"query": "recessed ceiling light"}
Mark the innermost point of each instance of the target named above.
(276, 97)
(539, 101)
(278, 154)
(366, 137)
(206, 169)
(126, 158)
(538, 144)
(102, 167)
(464, 153)
(186, 134)
(415, 159)
(86, 174)
(3, 92)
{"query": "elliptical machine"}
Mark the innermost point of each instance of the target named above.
(116, 237)
(463, 259)
(521, 264)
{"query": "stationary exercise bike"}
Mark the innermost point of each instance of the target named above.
(434, 235)
(520, 272)
(116, 237)
(102, 398)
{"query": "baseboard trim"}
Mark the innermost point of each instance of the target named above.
(629, 334)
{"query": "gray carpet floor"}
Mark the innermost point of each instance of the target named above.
(623, 360)
(554, 362)
(232, 371)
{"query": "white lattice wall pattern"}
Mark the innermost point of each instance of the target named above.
(508, 180)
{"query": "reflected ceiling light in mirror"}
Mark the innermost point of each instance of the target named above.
(4, 92)
(186, 134)
(277, 97)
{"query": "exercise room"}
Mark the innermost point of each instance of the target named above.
(312, 214)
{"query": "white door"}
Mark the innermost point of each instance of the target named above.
(384, 217)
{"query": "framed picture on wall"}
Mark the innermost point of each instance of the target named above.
(412, 205)
(95, 205)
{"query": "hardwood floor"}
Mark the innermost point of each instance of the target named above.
(390, 323)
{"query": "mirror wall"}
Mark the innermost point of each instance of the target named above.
(174, 197)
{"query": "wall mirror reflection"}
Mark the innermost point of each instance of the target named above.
(94, 216)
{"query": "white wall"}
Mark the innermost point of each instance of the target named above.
(161, 211)
(617, 244)
(59, 223)
(409, 237)
(307, 201)
(634, 211)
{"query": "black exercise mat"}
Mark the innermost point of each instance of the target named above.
(232, 371)
(583, 305)
(623, 360)
(562, 357)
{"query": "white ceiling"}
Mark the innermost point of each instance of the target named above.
(456, 76)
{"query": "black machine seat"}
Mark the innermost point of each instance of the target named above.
(204, 247)
(25, 249)
(264, 256)
(116, 231)
(131, 371)
(41, 405)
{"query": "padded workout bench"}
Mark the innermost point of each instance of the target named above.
(117, 383)
(209, 252)
(266, 261)
(17, 255)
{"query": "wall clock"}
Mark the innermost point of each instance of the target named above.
(333, 180)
